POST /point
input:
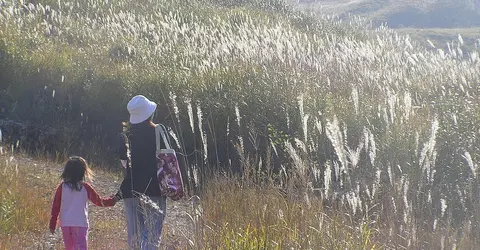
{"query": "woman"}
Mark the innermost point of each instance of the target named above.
(144, 206)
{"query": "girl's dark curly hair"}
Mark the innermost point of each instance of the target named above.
(75, 171)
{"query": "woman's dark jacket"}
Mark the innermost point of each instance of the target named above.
(141, 172)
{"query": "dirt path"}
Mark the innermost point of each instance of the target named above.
(107, 225)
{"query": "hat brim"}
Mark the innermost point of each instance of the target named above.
(139, 118)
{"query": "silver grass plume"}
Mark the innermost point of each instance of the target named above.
(173, 99)
(428, 153)
(355, 99)
(303, 117)
(202, 133)
(471, 165)
(188, 101)
(298, 162)
(238, 118)
(335, 136)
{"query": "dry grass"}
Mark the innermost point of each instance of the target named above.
(237, 213)
(232, 213)
(25, 202)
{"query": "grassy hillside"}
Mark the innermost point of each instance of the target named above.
(400, 14)
(440, 38)
(364, 122)
(439, 22)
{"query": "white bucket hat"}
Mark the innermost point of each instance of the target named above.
(140, 109)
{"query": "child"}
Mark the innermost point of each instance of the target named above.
(71, 200)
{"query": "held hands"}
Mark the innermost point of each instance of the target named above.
(115, 198)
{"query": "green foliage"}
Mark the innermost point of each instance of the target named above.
(7, 209)
(277, 137)
(247, 239)
(20, 210)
